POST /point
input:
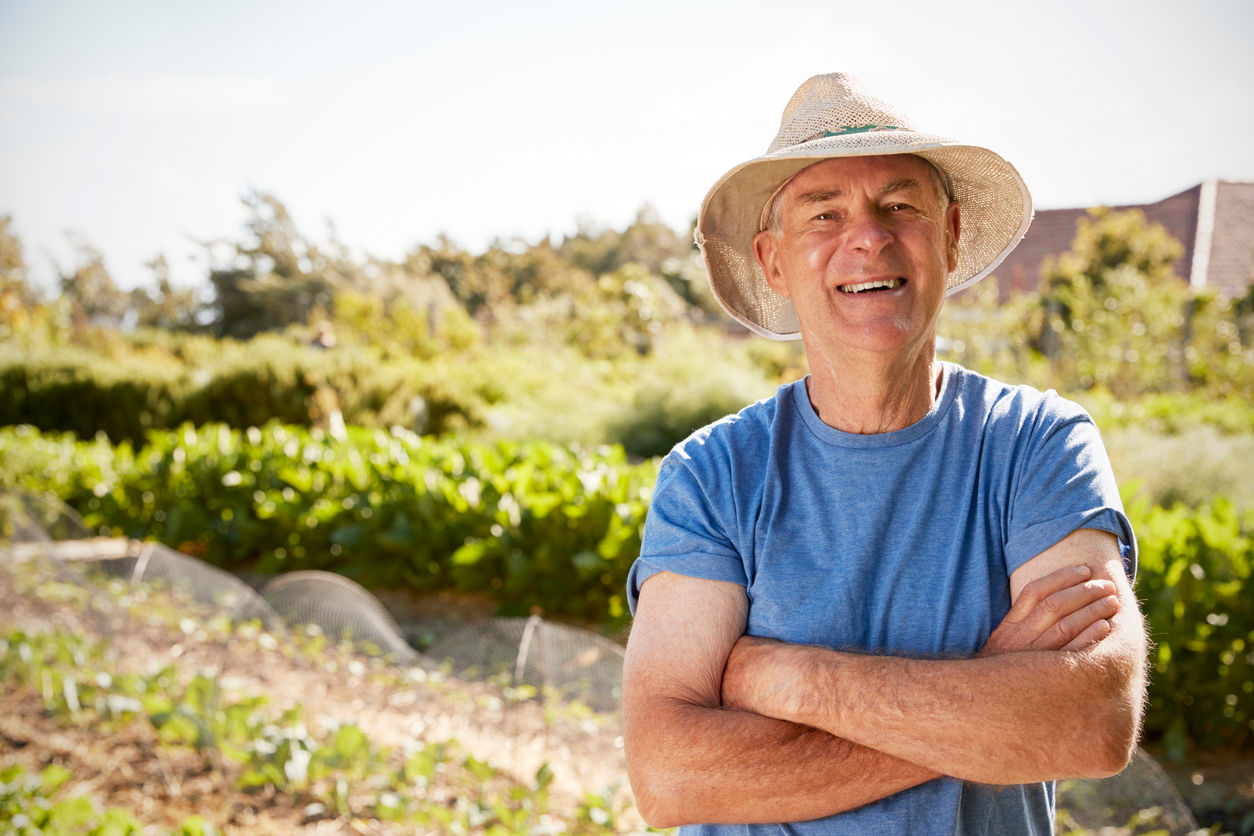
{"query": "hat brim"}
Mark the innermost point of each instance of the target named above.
(996, 212)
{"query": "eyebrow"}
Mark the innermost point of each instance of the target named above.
(904, 184)
(899, 185)
(808, 198)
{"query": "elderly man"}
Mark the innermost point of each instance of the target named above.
(895, 597)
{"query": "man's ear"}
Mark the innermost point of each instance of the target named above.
(953, 231)
(766, 251)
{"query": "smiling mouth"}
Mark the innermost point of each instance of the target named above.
(873, 286)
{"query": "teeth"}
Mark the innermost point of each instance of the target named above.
(875, 285)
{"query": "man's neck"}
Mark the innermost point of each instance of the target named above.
(873, 394)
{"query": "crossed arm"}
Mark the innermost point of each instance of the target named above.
(725, 727)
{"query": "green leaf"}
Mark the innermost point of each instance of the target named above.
(117, 822)
(52, 777)
(481, 770)
(471, 553)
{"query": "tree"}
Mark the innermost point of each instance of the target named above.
(649, 242)
(17, 297)
(13, 283)
(275, 280)
(90, 288)
(165, 306)
(12, 264)
(1114, 308)
(982, 331)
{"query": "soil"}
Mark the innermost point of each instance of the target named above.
(161, 786)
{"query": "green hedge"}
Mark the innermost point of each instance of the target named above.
(246, 384)
(544, 526)
(504, 391)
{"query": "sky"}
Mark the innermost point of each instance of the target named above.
(138, 125)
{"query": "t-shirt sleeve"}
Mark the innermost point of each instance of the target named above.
(686, 531)
(1065, 483)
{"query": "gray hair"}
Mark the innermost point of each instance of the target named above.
(944, 193)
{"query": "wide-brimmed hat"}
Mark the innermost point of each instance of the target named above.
(833, 116)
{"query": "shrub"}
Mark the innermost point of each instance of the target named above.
(1197, 591)
(691, 384)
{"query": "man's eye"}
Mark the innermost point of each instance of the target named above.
(899, 207)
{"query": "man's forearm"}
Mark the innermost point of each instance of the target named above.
(1056, 692)
(693, 761)
(1014, 718)
(691, 764)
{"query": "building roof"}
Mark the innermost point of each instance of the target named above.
(1214, 221)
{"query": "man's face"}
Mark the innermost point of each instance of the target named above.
(863, 248)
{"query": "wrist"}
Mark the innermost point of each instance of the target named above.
(820, 687)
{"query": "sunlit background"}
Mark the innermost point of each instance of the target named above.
(138, 125)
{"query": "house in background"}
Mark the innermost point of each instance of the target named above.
(1213, 220)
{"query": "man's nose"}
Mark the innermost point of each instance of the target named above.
(868, 232)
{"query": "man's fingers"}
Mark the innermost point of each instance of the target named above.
(1091, 635)
(1080, 625)
(1045, 586)
(1055, 611)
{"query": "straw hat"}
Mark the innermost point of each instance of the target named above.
(833, 116)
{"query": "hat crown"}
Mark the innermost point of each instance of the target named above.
(830, 105)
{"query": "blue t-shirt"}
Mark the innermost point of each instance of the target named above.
(900, 543)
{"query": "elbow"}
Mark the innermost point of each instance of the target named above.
(1122, 733)
(1116, 724)
(1114, 735)
(1108, 760)
(660, 767)
(664, 790)
(656, 797)
(655, 812)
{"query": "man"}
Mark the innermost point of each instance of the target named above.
(895, 597)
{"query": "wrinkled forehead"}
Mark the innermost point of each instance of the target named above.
(896, 169)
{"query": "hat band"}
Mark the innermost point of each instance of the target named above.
(853, 129)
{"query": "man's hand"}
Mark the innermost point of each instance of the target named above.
(1063, 610)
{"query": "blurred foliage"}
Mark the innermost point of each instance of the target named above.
(1187, 467)
(1197, 590)
(1111, 317)
(446, 340)
(159, 381)
(571, 342)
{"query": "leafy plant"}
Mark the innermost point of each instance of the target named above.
(534, 525)
(36, 805)
(1194, 583)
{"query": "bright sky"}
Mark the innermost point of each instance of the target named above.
(138, 124)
